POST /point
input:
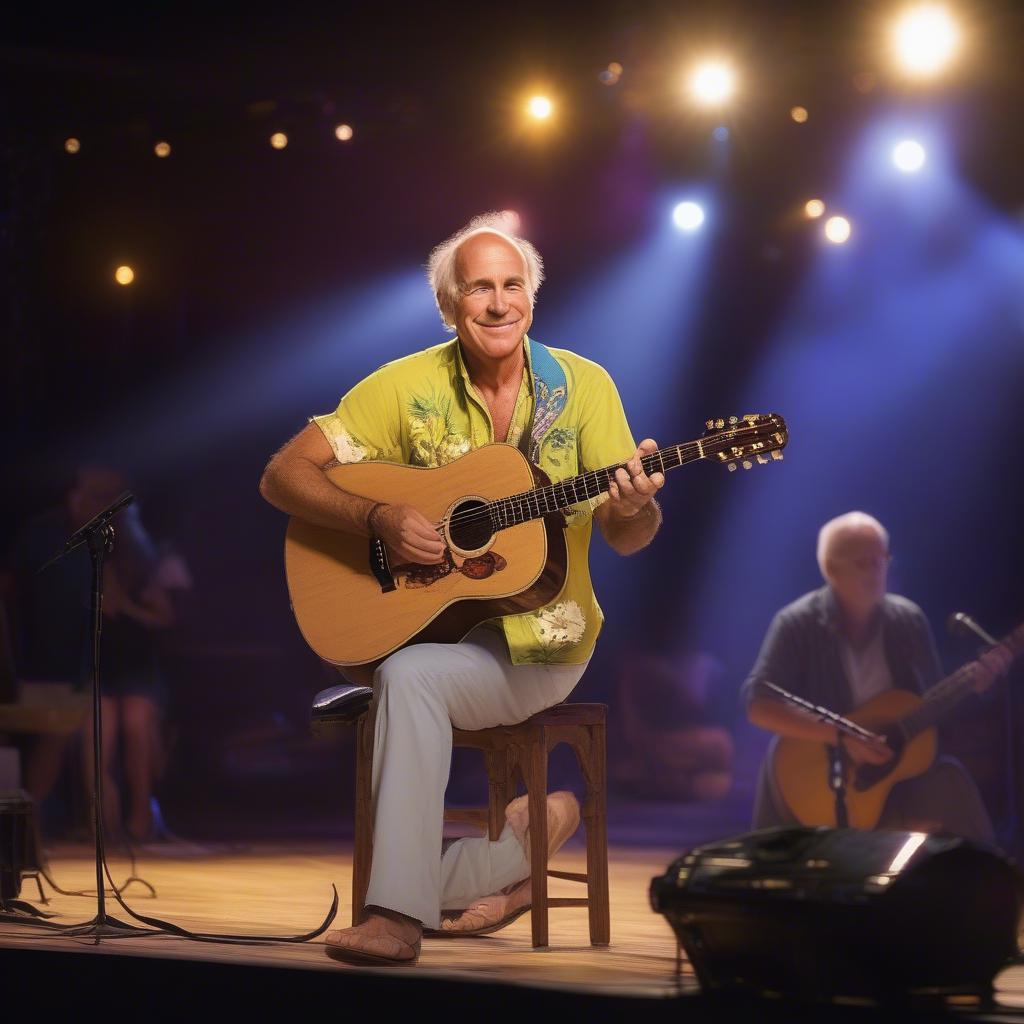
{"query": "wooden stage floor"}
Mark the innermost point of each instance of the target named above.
(282, 889)
(286, 889)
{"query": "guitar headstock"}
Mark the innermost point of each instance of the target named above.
(742, 440)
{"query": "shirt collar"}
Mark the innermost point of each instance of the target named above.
(461, 374)
(828, 609)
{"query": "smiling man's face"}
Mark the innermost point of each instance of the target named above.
(494, 309)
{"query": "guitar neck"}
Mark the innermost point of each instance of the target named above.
(945, 695)
(538, 502)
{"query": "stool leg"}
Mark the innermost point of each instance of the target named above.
(536, 779)
(363, 851)
(593, 765)
(597, 843)
(495, 761)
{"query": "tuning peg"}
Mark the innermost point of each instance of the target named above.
(710, 424)
(733, 420)
(777, 455)
(747, 463)
(732, 467)
(719, 424)
(762, 459)
(750, 417)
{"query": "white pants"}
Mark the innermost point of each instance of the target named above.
(421, 692)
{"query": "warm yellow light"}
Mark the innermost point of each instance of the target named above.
(343, 132)
(799, 114)
(124, 275)
(162, 149)
(540, 108)
(814, 208)
(712, 83)
(925, 39)
(837, 230)
(72, 145)
(279, 140)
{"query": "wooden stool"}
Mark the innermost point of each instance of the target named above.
(511, 752)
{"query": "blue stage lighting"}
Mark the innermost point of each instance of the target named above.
(908, 156)
(688, 215)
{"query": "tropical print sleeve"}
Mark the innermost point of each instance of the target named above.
(366, 424)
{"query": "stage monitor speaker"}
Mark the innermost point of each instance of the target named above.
(820, 914)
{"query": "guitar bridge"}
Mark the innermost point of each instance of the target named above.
(380, 567)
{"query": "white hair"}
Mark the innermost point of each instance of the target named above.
(441, 271)
(846, 523)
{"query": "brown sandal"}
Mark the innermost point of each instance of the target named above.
(488, 926)
(355, 955)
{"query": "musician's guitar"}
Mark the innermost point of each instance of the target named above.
(800, 768)
(502, 523)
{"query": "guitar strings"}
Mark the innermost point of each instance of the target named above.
(485, 512)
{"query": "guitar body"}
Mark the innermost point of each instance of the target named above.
(341, 608)
(800, 768)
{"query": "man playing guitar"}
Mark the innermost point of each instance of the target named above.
(843, 646)
(491, 383)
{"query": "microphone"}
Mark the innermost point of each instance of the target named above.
(961, 624)
(98, 522)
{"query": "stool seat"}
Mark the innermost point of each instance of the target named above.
(512, 754)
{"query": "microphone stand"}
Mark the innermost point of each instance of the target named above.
(98, 534)
(836, 765)
(961, 624)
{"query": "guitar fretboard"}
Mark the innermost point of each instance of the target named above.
(950, 691)
(532, 504)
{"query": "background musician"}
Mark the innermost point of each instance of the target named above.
(843, 645)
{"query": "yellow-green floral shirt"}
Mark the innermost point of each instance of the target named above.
(423, 410)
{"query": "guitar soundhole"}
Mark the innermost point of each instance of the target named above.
(470, 526)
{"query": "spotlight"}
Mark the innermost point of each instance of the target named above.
(279, 140)
(837, 230)
(343, 132)
(814, 208)
(925, 39)
(124, 275)
(162, 149)
(539, 108)
(712, 83)
(799, 114)
(688, 216)
(611, 74)
(908, 156)
(72, 145)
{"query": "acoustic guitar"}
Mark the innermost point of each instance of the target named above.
(801, 768)
(502, 523)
